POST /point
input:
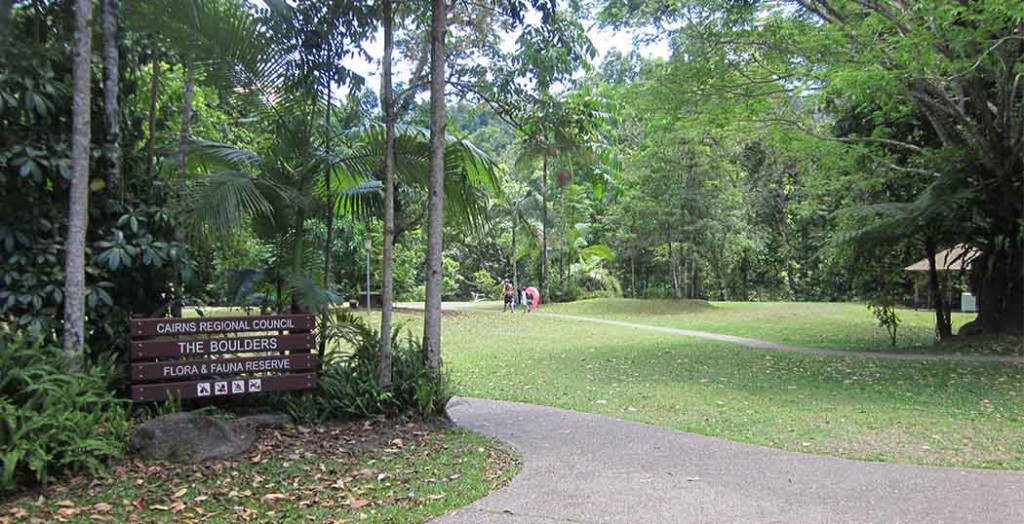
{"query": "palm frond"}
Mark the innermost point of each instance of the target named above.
(221, 202)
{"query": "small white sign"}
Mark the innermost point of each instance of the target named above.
(220, 388)
(255, 385)
(203, 389)
(237, 386)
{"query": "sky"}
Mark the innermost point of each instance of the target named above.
(604, 40)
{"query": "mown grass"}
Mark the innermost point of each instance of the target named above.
(410, 483)
(949, 414)
(807, 324)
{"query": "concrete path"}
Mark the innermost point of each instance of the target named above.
(772, 346)
(588, 469)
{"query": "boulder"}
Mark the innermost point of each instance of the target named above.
(191, 437)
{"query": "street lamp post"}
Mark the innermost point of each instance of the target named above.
(367, 246)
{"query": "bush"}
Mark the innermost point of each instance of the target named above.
(53, 421)
(348, 384)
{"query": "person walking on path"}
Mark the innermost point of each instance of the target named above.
(510, 297)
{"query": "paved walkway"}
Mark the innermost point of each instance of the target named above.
(772, 346)
(588, 469)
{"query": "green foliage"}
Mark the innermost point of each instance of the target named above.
(348, 384)
(54, 421)
(885, 312)
(132, 255)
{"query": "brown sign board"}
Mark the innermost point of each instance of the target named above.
(218, 346)
(177, 357)
(222, 387)
(155, 327)
(191, 369)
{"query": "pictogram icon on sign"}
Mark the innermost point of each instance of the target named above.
(237, 386)
(220, 388)
(255, 385)
(203, 389)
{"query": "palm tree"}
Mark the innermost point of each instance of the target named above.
(78, 203)
(278, 194)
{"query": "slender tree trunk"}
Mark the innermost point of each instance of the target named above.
(632, 271)
(329, 219)
(387, 272)
(78, 203)
(6, 6)
(515, 263)
(186, 122)
(545, 284)
(154, 86)
(435, 200)
(694, 276)
(111, 86)
(943, 329)
(677, 284)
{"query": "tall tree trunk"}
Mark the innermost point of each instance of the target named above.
(78, 203)
(632, 271)
(677, 284)
(943, 329)
(154, 85)
(435, 200)
(545, 284)
(329, 219)
(387, 272)
(6, 6)
(111, 86)
(515, 263)
(186, 122)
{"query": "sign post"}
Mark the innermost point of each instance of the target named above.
(220, 356)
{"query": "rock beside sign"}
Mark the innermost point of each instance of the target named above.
(190, 437)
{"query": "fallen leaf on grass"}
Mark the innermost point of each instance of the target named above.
(180, 493)
(271, 497)
(357, 503)
(101, 507)
(66, 504)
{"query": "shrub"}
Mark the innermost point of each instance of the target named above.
(53, 421)
(348, 384)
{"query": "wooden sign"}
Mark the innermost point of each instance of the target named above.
(194, 358)
(183, 369)
(218, 346)
(222, 387)
(150, 327)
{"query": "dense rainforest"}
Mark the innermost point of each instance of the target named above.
(229, 154)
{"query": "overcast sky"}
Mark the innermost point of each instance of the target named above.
(604, 40)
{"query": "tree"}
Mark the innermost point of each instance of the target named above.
(78, 203)
(435, 189)
(956, 64)
(387, 272)
(111, 89)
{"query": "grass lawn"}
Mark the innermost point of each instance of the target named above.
(325, 474)
(808, 324)
(950, 414)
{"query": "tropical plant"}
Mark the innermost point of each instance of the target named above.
(54, 420)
